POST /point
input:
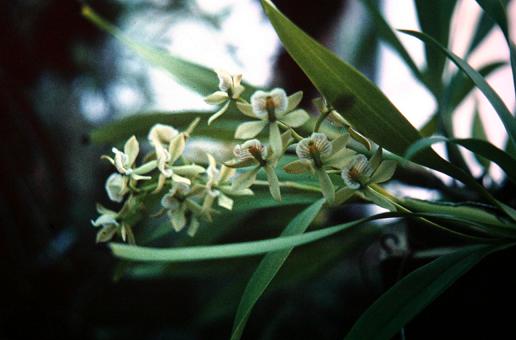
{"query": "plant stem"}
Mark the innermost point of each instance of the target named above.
(296, 135)
(291, 185)
(399, 205)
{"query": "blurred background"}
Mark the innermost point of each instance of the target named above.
(61, 77)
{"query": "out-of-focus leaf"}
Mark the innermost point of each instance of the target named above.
(430, 126)
(372, 113)
(389, 36)
(269, 267)
(497, 11)
(460, 85)
(197, 253)
(434, 19)
(505, 115)
(414, 292)
(478, 132)
(469, 213)
(196, 77)
(140, 124)
(479, 147)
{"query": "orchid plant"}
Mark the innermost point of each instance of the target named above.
(347, 150)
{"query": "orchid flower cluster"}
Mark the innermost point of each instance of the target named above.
(190, 193)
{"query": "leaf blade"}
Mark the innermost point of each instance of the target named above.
(413, 293)
(269, 267)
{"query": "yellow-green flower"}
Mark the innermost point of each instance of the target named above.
(271, 109)
(229, 89)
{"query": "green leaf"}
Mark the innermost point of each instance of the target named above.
(478, 132)
(140, 124)
(479, 147)
(430, 126)
(460, 85)
(269, 267)
(198, 78)
(413, 293)
(371, 112)
(497, 11)
(472, 213)
(193, 76)
(434, 19)
(389, 36)
(198, 253)
(505, 115)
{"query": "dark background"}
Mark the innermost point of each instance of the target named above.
(57, 283)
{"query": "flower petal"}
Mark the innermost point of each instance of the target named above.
(327, 187)
(344, 194)
(293, 100)
(237, 91)
(161, 134)
(359, 138)
(296, 118)
(216, 98)
(384, 172)
(340, 158)
(274, 187)
(244, 180)
(240, 163)
(275, 139)
(176, 147)
(218, 113)
(131, 149)
(225, 202)
(250, 129)
(178, 218)
(193, 226)
(297, 167)
(246, 109)
(106, 233)
(376, 159)
(225, 79)
(191, 170)
(339, 143)
(116, 187)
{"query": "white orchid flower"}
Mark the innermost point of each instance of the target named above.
(359, 172)
(229, 89)
(317, 154)
(271, 109)
(116, 187)
(177, 203)
(124, 161)
(108, 223)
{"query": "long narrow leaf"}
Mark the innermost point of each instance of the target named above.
(434, 19)
(389, 36)
(505, 115)
(269, 267)
(497, 11)
(413, 293)
(198, 253)
(479, 147)
(196, 77)
(371, 112)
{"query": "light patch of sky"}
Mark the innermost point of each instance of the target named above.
(417, 104)
(246, 43)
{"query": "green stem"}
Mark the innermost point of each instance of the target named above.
(399, 205)
(291, 185)
(296, 135)
(321, 119)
